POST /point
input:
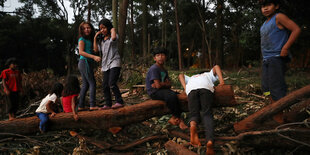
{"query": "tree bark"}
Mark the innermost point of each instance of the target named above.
(219, 32)
(114, 14)
(144, 27)
(256, 120)
(177, 149)
(122, 26)
(178, 34)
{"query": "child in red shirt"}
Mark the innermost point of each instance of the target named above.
(69, 96)
(12, 84)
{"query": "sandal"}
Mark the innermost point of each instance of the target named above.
(117, 105)
(105, 107)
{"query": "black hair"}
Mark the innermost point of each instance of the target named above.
(72, 86)
(159, 50)
(265, 2)
(107, 23)
(11, 61)
(57, 89)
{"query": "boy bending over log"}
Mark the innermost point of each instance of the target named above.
(199, 89)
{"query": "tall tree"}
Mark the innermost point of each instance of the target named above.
(114, 13)
(132, 35)
(164, 25)
(89, 10)
(144, 27)
(178, 33)
(219, 32)
(122, 25)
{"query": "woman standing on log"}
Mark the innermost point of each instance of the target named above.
(86, 33)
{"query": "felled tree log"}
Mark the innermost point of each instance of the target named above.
(256, 120)
(95, 119)
(298, 113)
(177, 149)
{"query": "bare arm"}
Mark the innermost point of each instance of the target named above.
(113, 34)
(85, 54)
(73, 105)
(49, 108)
(157, 84)
(284, 22)
(182, 80)
(6, 90)
(217, 71)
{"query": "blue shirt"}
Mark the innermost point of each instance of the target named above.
(272, 38)
(155, 73)
(87, 48)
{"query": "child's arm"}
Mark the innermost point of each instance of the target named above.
(6, 90)
(113, 34)
(85, 54)
(217, 71)
(182, 80)
(95, 42)
(157, 84)
(49, 108)
(283, 21)
(75, 116)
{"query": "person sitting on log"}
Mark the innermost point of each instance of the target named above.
(158, 87)
(46, 106)
(200, 91)
(70, 94)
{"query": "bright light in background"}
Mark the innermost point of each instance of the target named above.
(11, 5)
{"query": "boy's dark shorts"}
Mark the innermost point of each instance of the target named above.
(12, 101)
(273, 77)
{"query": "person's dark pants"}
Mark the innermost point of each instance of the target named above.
(202, 100)
(43, 121)
(12, 101)
(273, 77)
(110, 78)
(171, 99)
(88, 81)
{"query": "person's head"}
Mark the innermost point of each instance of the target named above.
(86, 30)
(105, 26)
(11, 63)
(159, 55)
(72, 86)
(57, 89)
(269, 7)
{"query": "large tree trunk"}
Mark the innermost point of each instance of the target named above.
(144, 27)
(178, 34)
(219, 32)
(100, 119)
(122, 25)
(257, 119)
(114, 14)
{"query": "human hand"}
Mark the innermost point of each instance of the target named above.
(7, 92)
(76, 117)
(53, 114)
(284, 52)
(97, 58)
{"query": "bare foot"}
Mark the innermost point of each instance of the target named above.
(194, 136)
(174, 121)
(210, 150)
(182, 125)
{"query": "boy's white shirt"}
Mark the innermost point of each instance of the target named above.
(205, 80)
(42, 107)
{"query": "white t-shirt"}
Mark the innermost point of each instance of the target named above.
(42, 107)
(205, 80)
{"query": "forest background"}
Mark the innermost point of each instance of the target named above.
(224, 32)
(197, 34)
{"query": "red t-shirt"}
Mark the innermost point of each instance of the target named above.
(67, 101)
(13, 79)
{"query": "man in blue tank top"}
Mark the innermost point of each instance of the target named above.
(275, 42)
